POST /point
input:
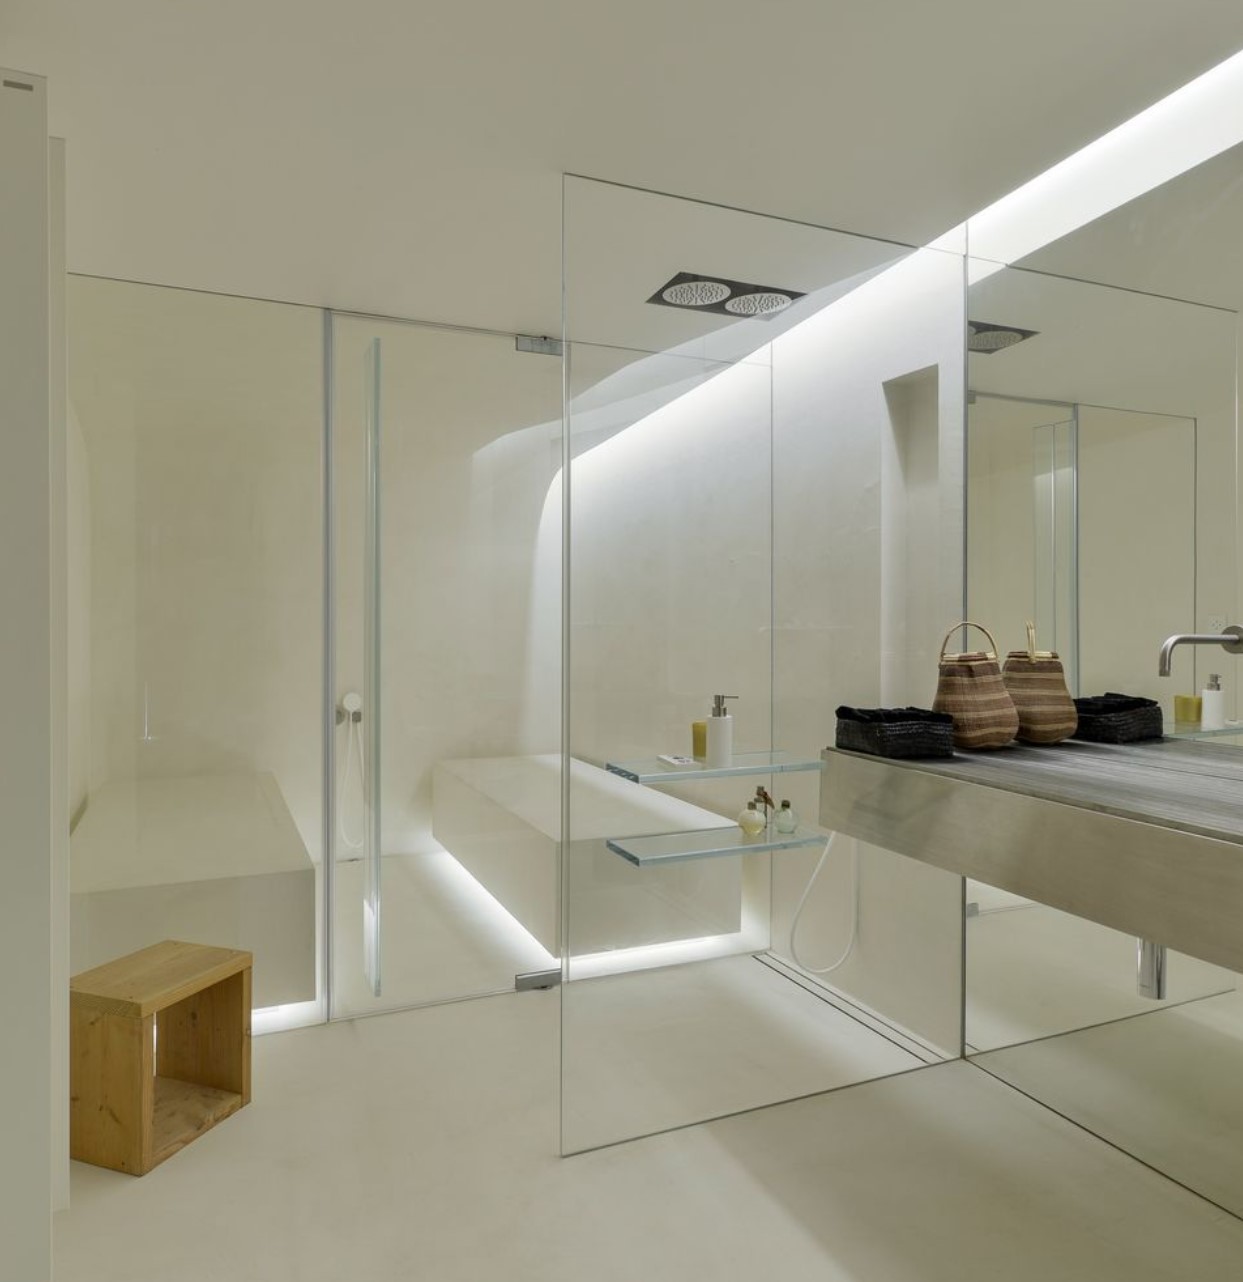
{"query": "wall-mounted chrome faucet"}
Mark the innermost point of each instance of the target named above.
(1231, 640)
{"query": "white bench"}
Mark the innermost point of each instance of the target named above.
(201, 857)
(500, 817)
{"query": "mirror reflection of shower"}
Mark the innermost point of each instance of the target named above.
(352, 774)
(1085, 515)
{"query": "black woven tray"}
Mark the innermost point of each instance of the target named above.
(895, 732)
(1118, 718)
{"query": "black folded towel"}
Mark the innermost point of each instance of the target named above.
(889, 715)
(1099, 704)
(895, 732)
(1118, 718)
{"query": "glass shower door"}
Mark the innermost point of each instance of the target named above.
(1054, 453)
(372, 675)
(447, 453)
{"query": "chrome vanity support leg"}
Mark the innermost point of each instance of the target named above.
(1151, 972)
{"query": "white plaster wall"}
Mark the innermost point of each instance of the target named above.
(671, 554)
(195, 467)
(30, 920)
(1137, 552)
(670, 601)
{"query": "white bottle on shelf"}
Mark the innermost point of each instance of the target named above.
(1213, 705)
(786, 820)
(720, 753)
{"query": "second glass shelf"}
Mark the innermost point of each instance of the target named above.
(653, 770)
(1191, 730)
(708, 843)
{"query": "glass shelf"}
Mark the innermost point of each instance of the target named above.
(1191, 730)
(653, 770)
(708, 843)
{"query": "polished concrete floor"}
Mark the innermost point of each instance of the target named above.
(650, 1050)
(423, 1145)
(1166, 1086)
(1034, 972)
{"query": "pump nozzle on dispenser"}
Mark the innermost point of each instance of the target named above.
(720, 752)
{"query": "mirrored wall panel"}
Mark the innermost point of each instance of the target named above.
(737, 389)
(196, 625)
(1103, 504)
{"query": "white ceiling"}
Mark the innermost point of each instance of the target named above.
(405, 157)
(1105, 347)
(1183, 240)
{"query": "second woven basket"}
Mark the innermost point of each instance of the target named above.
(1037, 684)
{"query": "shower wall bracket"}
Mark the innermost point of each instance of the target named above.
(531, 980)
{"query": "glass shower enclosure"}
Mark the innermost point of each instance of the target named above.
(392, 635)
(759, 415)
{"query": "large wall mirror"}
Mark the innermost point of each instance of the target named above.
(1102, 503)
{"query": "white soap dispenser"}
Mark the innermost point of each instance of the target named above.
(720, 734)
(1213, 705)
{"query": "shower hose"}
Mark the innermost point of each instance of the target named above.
(854, 909)
(353, 750)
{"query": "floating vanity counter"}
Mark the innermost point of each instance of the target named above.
(1145, 838)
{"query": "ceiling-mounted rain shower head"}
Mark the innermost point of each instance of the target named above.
(694, 291)
(986, 339)
(764, 302)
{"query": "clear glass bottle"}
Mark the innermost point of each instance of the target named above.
(751, 821)
(787, 818)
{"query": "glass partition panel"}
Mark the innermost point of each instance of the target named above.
(731, 383)
(196, 627)
(371, 766)
(1022, 523)
(448, 578)
(1102, 491)
(1055, 450)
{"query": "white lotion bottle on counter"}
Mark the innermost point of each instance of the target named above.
(720, 752)
(1212, 706)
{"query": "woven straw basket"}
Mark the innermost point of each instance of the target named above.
(971, 690)
(1037, 685)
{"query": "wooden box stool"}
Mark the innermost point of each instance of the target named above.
(159, 1047)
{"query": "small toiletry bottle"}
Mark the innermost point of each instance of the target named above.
(751, 821)
(787, 820)
(699, 740)
(720, 745)
(1213, 705)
